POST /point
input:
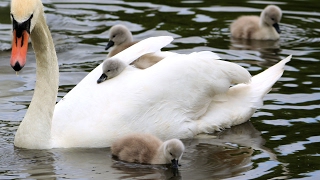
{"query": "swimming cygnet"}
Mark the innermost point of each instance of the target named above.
(148, 149)
(120, 38)
(265, 27)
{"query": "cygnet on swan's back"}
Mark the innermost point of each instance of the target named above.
(148, 149)
(120, 38)
(265, 27)
(113, 66)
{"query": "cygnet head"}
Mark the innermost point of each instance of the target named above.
(173, 150)
(110, 69)
(271, 16)
(118, 34)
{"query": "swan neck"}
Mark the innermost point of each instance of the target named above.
(34, 131)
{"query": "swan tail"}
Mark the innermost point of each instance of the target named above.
(149, 45)
(241, 101)
(262, 83)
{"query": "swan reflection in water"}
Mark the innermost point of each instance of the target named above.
(269, 50)
(220, 155)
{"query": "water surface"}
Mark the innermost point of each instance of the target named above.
(280, 141)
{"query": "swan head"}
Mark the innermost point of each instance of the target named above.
(24, 16)
(271, 16)
(173, 151)
(118, 34)
(111, 68)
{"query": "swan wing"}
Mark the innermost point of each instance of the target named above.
(149, 45)
(239, 103)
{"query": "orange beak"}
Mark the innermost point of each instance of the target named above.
(19, 50)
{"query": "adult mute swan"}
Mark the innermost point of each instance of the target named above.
(265, 27)
(148, 149)
(177, 98)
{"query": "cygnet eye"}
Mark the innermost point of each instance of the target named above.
(171, 154)
(108, 70)
(272, 19)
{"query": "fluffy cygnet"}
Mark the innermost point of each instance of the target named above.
(265, 27)
(120, 38)
(114, 65)
(148, 149)
(111, 68)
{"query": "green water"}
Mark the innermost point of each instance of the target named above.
(281, 141)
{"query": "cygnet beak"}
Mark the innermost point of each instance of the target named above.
(174, 163)
(276, 26)
(109, 45)
(102, 78)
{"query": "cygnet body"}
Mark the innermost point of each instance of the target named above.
(265, 27)
(148, 149)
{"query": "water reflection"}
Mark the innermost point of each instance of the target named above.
(289, 118)
(268, 50)
(225, 154)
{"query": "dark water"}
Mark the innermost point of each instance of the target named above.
(281, 140)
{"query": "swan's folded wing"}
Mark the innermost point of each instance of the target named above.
(149, 45)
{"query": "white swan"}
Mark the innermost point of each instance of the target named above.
(147, 149)
(173, 99)
(265, 27)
